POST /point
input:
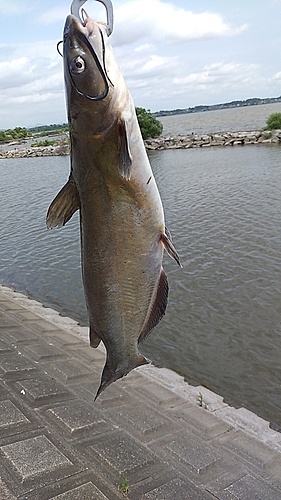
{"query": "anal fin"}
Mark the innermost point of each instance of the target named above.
(63, 206)
(158, 307)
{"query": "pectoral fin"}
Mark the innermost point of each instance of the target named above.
(169, 247)
(125, 159)
(63, 206)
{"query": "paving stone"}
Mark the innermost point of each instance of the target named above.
(44, 351)
(15, 365)
(232, 474)
(72, 371)
(123, 455)
(5, 494)
(113, 396)
(63, 339)
(159, 395)
(244, 418)
(9, 305)
(7, 323)
(86, 491)
(4, 394)
(34, 456)
(248, 488)
(133, 379)
(20, 335)
(43, 326)
(194, 452)
(91, 354)
(143, 419)
(43, 389)
(25, 315)
(251, 450)
(76, 418)
(177, 490)
(10, 415)
(199, 419)
(4, 347)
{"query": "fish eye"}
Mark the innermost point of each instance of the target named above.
(77, 65)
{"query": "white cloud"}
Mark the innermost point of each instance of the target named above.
(277, 76)
(231, 75)
(53, 15)
(139, 19)
(15, 72)
(32, 98)
(13, 7)
(27, 81)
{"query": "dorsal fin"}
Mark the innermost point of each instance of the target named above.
(158, 308)
(63, 206)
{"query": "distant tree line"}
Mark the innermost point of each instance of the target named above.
(47, 128)
(149, 125)
(21, 133)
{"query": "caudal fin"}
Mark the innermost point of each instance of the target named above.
(110, 375)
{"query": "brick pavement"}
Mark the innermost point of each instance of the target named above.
(56, 443)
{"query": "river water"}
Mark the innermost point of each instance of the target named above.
(230, 120)
(223, 323)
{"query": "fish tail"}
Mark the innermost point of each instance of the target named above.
(110, 374)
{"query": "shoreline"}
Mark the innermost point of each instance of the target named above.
(188, 141)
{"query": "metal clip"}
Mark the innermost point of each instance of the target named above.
(77, 4)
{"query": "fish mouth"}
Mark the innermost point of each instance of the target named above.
(73, 25)
(76, 34)
(77, 4)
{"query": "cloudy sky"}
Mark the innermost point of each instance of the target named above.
(173, 53)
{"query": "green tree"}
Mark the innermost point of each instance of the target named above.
(273, 121)
(2, 136)
(149, 125)
(10, 134)
(21, 132)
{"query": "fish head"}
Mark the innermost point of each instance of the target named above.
(85, 51)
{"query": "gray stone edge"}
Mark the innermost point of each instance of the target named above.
(240, 418)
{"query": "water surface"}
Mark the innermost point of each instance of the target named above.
(222, 205)
(231, 120)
